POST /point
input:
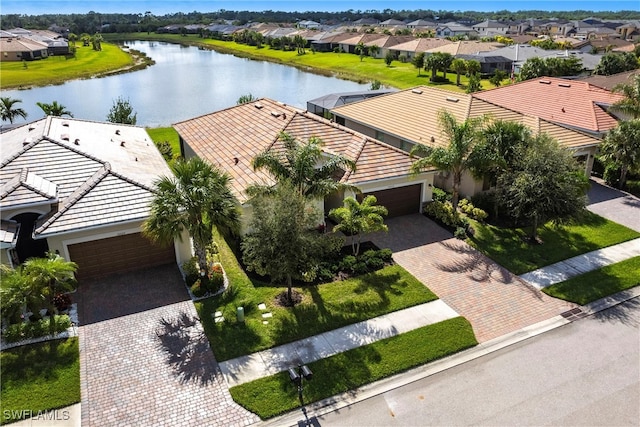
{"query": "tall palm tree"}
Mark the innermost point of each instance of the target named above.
(7, 110)
(54, 109)
(298, 165)
(197, 199)
(631, 102)
(458, 156)
(358, 218)
(47, 277)
(459, 66)
(621, 148)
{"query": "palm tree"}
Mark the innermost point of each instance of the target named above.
(196, 199)
(54, 109)
(631, 102)
(621, 148)
(358, 218)
(458, 156)
(374, 50)
(431, 62)
(459, 66)
(361, 50)
(47, 277)
(8, 112)
(444, 62)
(300, 43)
(297, 164)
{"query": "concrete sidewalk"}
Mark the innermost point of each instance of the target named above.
(563, 270)
(271, 361)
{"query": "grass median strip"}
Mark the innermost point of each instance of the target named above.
(274, 395)
(509, 246)
(597, 284)
(39, 377)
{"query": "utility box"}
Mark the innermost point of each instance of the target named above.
(240, 314)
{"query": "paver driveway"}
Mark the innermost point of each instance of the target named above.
(144, 359)
(495, 301)
(614, 205)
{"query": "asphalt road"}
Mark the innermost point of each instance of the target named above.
(583, 374)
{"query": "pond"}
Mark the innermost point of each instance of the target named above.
(185, 82)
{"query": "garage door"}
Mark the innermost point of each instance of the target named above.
(99, 258)
(400, 200)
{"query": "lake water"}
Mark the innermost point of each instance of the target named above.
(185, 82)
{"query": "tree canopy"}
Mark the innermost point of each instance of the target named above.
(8, 111)
(122, 112)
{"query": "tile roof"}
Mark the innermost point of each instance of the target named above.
(568, 102)
(8, 233)
(421, 44)
(609, 82)
(466, 47)
(27, 188)
(103, 173)
(241, 132)
(412, 115)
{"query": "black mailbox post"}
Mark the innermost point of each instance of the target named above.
(297, 375)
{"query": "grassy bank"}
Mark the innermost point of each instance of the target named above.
(510, 248)
(274, 395)
(342, 65)
(37, 377)
(58, 69)
(597, 284)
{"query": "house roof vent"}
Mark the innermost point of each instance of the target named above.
(65, 136)
(564, 85)
(65, 124)
(276, 113)
(545, 82)
(452, 99)
(258, 105)
(417, 91)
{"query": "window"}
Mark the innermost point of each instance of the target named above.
(379, 136)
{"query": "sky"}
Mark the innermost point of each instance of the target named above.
(162, 7)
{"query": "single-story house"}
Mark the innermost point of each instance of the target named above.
(21, 48)
(231, 138)
(324, 104)
(418, 45)
(81, 189)
(466, 47)
(489, 63)
(491, 28)
(409, 117)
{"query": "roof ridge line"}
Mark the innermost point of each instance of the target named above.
(26, 173)
(20, 152)
(10, 185)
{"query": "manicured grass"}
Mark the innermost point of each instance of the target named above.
(58, 69)
(343, 65)
(597, 284)
(271, 396)
(324, 307)
(166, 134)
(39, 377)
(509, 246)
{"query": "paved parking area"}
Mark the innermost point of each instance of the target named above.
(144, 359)
(495, 301)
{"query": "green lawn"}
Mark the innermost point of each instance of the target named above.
(343, 65)
(597, 284)
(509, 246)
(37, 377)
(324, 307)
(271, 396)
(166, 134)
(58, 69)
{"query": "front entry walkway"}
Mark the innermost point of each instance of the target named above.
(144, 359)
(495, 301)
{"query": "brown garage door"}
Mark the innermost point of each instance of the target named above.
(120, 254)
(400, 200)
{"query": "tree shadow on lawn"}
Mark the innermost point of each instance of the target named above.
(187, 349)
(35, 362)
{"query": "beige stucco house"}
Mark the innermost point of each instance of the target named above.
(81, 189)
(231, 138)
(409, 117)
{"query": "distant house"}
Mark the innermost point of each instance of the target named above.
(418, 45)
(422, 24)
(489, 63)
(409, 117)
(81, 189)
(453, 29)
(231, 138)
(309, 25)
(466, 47)
(491, 28)
(609, 82)
(19, 48)
(394, 23)
(324, 104)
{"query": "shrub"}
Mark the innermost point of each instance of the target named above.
(487, 201)
(402, 58)
(62, 301)
(190, 270)
(479, 214)
(360, 267)
(385, 254)
(460, 233)
(347, 263)
(374, 263)
(633, 187)
(197, 289)
(612, 175)
(442, 212)
(439, 195)
(40, 328)
(215, 282)
(165, 149)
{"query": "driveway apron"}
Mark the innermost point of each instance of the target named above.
(144, 359)
(614, 205)
(495, 301)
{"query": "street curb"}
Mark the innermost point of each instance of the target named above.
(297, 417)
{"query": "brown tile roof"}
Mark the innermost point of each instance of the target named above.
(421, 44)
(569, 102)
(466, 47)
(243, 131)
(412, 115)
(609, 82)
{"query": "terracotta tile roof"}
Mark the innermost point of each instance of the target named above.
(102, 172)
(421, 44)
(243, 131)
(572, 103)
(412, 115)
(609, 82)
(466, 47)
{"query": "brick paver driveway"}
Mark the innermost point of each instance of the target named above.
(495, 301)
(144, 360)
